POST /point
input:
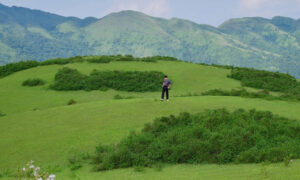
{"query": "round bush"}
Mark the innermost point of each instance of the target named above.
(214, 136)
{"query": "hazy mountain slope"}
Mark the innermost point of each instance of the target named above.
(278, 36)
(271, 44)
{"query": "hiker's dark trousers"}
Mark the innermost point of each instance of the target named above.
(165, 89)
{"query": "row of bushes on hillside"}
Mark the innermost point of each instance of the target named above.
(71, 79)
(22, 65)
(264, 94)
(15, 67)
(213, 136)
(107, 59)
(271, 81)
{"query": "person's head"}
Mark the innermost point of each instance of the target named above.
(166, 77)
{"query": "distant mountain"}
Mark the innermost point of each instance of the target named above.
(271, 44)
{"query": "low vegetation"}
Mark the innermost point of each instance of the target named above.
(71, 102)
(271, 81)
(33, 82)
(100, 59)
(15, 67)
(30, 171)
(62, 61)
(214, 136)
(22, 65)
(132, 81)
(242, 93)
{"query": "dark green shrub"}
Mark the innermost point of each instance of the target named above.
(1, 114)
(62, 61)
(125, 58)
(135, 81)
(118, 97)
(213, 136)
(132, 81)
(33, 82)
(22, 65)
(164, 58)
(69, 79)
(15, 67)
(71, 102)
(272, 81)
(100, 59)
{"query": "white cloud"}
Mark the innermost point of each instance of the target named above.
(160, 8)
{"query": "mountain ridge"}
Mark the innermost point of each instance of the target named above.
(270, 44)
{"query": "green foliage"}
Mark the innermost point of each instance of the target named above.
(135, 81)
(1, 114)
(62, 61)
(132, 81)
(33, 82)
(242, 93)
(272, 81)
(287, 161)
(69, 79)
(100, 59)
(15, 67)
(125, 58)
(22, 65)
(6, 173)
(118, 97)
(71, 102)
(214, 136)
(76, 160)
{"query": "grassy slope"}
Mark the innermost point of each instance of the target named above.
(188, 78)
(50, 134)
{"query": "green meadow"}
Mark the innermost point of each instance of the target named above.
(39, 125)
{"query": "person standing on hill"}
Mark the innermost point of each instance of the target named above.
(165, 88)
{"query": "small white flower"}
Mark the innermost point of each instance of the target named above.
(40, 179)
(51, 177)
(24, 169)
(37, 168)
(31, 166)
(291, 160)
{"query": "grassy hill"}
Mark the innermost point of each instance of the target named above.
(271, 44)
(39, 125)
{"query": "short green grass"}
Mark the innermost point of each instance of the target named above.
(193, 172)
(187, 78)
(40, 126)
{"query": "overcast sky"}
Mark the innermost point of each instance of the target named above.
(212, 12)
